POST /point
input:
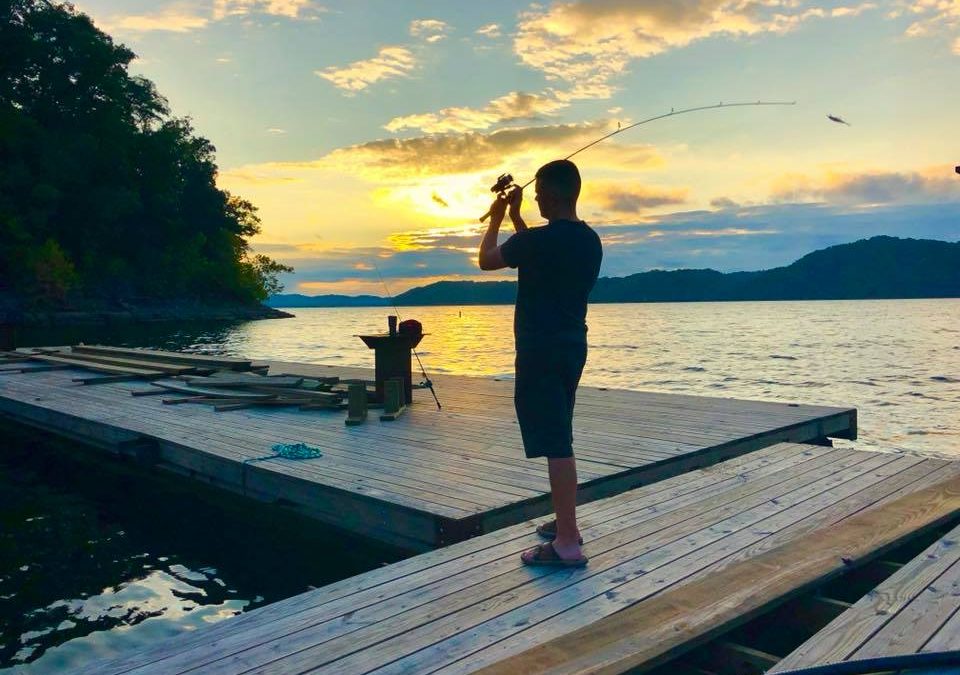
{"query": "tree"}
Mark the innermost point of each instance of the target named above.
(98, 179)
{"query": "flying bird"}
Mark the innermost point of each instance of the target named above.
(838, 120)
(439, 200)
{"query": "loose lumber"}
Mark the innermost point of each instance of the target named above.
(223, 362)
(99, 367)
(214, 393)
(169, 369)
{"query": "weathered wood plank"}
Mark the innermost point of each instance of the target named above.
(874, 625)
(641, 633)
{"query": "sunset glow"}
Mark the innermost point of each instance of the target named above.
(372, 130)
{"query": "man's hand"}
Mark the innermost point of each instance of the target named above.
(498, 209)
(515, 198)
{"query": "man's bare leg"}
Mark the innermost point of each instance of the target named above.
(563, 491)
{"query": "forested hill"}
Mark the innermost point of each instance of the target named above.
(881, 267)
(106, 198)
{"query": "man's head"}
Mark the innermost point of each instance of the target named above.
(558, 187)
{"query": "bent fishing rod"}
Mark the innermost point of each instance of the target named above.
(505, 181)
(427, 382)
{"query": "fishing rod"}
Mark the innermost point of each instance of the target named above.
(427, 382)
(505, 181)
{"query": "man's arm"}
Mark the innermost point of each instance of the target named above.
(489, 257)
(516, 199)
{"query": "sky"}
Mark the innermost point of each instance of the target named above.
(368, 133)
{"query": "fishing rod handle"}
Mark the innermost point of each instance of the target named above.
(484, 217)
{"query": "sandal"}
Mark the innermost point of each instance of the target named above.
(548, 530)
(543, 555)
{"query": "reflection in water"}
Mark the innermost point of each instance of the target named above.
(96, 558)
(90, 567)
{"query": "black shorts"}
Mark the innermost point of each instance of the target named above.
(545, 390)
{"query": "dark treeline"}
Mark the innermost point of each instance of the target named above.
(104, 195)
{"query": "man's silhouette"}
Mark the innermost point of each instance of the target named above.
(558, 265)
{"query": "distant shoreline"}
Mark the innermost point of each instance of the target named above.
(388, 305)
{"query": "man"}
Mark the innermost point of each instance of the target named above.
(557, 266)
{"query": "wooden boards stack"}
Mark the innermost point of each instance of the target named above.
(237, 391)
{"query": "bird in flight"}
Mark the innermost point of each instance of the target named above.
(838, 120)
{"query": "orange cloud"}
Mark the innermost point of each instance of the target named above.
(291, 9)
(173, 19)
(429, 30)
(870, 188)
(469, 153)
(934, 17)
(512, 107)
(628, 198)
(389, 62)
(183, 17)
(588, 44)
(491, 30)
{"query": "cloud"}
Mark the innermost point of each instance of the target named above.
(390, 62)
(177, 18)
(513, 107)
(491, 30)
(723, 203)
(405, 159)
(183, 17)
(429, 30)
(932, 17)
(633, 199)
(276, 131)
(291, 9)
(589, 44)
(935, 184)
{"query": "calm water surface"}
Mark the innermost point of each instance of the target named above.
(117, 560)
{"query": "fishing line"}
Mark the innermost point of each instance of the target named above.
(427, 382)
(620, 130)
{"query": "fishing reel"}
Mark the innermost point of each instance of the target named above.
(504, 183)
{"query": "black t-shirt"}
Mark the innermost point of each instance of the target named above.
(558, 266)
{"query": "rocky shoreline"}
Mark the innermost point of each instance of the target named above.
(141, 313)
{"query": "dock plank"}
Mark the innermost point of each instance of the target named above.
(769, 519)
(911, 611)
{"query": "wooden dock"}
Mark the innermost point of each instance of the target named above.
(431, 477)
(916, 610)
(671, 564)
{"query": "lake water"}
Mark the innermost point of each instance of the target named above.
(114, 561)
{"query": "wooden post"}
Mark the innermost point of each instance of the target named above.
(393, 399)
(356, 404)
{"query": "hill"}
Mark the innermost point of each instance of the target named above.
(881, 267)
(291, 300)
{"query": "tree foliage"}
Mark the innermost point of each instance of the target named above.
(103, 193)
